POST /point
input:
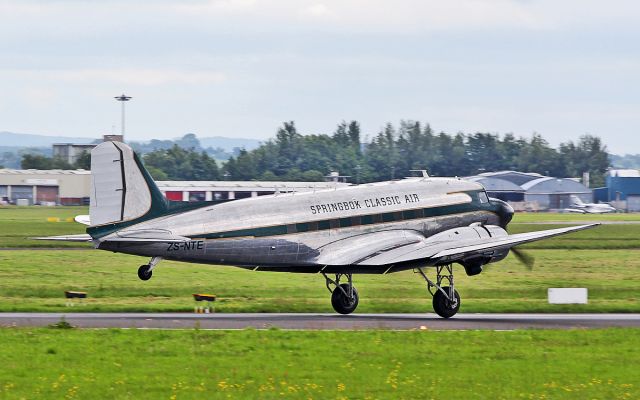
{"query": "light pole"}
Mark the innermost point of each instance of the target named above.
(122, 98)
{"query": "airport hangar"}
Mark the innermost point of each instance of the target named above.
(72, 187)
(531, 191)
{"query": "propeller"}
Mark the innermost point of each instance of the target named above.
(505, 213)
(526, 259)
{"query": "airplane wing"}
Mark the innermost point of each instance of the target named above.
(405, 246)
(357, 249)
(145, 236)
(508, 241)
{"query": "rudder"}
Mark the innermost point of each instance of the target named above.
(122, 191)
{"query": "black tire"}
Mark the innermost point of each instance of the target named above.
(144, 273)
(341, 303)
(443, 306)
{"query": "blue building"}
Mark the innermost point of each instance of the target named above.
(623, 185)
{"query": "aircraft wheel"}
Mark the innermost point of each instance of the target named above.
(144, 273)
(443, 306)
(341, 303)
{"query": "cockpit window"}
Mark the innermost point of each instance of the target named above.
(483, 197)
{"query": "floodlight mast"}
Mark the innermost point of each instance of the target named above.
(122, 98)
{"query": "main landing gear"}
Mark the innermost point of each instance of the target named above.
(146, 271)
(344, 297)
(446, 300)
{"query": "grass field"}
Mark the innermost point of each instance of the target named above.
(190, 364)
(525, 217)
(34, 280)
(606, 260)
(17, 224)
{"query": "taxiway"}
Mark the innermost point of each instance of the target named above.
(323, 321)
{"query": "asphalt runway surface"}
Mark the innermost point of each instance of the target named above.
(323, 321)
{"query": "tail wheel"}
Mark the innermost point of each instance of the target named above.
(342, 303)
(443, 306)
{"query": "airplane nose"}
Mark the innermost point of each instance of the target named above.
(504, 211)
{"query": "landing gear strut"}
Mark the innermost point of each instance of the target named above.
(146, 271)
(344, 297)
(446, 300)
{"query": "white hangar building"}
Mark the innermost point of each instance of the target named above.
(544, 192)
(48, 187)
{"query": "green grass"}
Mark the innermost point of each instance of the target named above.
(190, 364)
(524, 217)
(17, 224)
(35, 281)
(604, 259)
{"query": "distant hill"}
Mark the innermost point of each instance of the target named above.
(14, 145)
(631, 161)
(10, 156)
(219, 147)
(31, 140)
(229, 143)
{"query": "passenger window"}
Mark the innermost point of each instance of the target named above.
(483, 197)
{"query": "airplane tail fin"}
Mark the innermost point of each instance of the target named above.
(122, 191)
(576, 200)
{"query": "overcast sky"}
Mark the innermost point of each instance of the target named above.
(239, 68)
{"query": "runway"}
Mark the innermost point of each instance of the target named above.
(323, 321)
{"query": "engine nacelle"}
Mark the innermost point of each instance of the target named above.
(474, 266)
(468, 235)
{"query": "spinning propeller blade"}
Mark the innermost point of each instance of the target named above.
(526, 259)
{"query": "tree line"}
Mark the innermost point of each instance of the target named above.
(40, 161)
(174, 163)
(396, 150)
(392, 153)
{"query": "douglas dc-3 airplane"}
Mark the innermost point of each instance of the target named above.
(376, 228)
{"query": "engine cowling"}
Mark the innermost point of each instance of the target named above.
(470, 234)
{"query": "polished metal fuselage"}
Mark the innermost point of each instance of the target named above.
(289, 232)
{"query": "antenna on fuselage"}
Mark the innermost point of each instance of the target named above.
(422, 173)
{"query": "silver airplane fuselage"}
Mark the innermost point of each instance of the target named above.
(289, 232)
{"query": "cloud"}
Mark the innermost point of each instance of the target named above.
(133, 77)
(316, 10)
(217, 6)
(465, 64)
(38, 96)
(365, 16)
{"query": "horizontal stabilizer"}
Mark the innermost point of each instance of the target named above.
(83, 219)
(146, 236)
(176, 239)
(82, 237)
